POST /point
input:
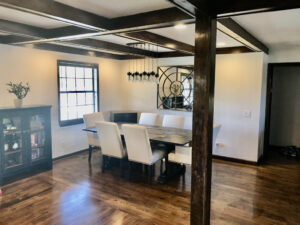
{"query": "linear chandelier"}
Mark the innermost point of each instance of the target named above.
(142, 70)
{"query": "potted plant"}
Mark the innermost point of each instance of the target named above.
(20, 91)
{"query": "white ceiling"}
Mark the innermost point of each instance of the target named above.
(117, 8)
(278, 29)
(187, 35)
(29, 19)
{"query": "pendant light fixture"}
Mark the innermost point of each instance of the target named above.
(143, 69)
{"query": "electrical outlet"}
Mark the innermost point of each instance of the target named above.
(247, 113)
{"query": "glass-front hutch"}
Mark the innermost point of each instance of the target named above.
(25, 141)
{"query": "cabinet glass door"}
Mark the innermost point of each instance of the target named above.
(38, 137)
(13, 142)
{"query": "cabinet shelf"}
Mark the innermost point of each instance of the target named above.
(13, 152)
(12, 166)
(37, 147)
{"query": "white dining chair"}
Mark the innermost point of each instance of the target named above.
(173, 121)
(148, 119)
(139, 149)
(111, 143)
(90, 122)
(183, 154)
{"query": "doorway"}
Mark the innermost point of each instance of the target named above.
(283, 110)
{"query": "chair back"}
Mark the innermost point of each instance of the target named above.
(91, 119)
(110, 139)
(148, 119)
(173, 121)
(137, 143)
(188, 123)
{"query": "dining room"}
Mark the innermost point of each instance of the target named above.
(142, 112)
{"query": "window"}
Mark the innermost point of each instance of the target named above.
(78, 91)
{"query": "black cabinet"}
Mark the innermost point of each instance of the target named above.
(25, 142)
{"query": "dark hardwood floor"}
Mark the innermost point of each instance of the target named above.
(74, 193)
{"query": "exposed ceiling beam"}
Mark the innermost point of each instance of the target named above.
(113, 47)
(153, 19)
(119, 25)
(80, 18)
(60, 12)
(188, 7)
(21, 29)
(243, 34)
(29, 34)
(233, 50)
(161, 41)
(65, 49)
(228, 8)
(83, 19)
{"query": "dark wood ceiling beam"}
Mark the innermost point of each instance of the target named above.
(76, 17)
(57, 47)
(67, 14)
(112, 47)
(21, 29)
(153, 19)
(188, 7)
(243, 33)
(162, 41)
(233, 50)
(60, 12)
(234, 7)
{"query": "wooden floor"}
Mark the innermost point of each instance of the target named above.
(74, 193)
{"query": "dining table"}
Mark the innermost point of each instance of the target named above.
(166, 137)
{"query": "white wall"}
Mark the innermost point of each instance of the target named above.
(238, 104)
(239, 90)
(39, 68)
(286, 54)
(239, 82)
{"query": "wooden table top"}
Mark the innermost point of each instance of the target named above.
(161, 134)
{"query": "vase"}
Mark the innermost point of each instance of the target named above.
(18, 103)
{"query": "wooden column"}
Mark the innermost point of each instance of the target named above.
(204, 81)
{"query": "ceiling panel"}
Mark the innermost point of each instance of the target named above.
(28, 18)
(275, 29)
(117, 8)
(187, 35)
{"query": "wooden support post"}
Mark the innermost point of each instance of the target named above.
(204, 81)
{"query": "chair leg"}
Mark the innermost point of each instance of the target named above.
(183, 169)
(150, 174)
(161, 166)
(90, 152)
(167, 165)
(129, 170)
(103, 163)
(121, 167)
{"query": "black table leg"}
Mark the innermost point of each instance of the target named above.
(90, 152)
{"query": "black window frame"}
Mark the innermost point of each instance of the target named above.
(76, 64)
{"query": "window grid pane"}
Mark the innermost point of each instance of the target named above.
(78, 88)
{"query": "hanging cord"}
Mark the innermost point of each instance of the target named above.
(157, 75)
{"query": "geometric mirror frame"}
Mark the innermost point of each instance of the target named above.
(176, 88)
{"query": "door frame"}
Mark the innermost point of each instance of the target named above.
(271, 67)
